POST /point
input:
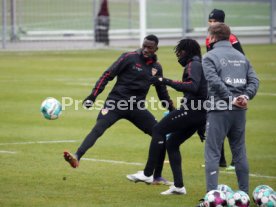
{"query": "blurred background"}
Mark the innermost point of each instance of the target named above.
(88, 24)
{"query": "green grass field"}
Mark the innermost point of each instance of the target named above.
(32, 167)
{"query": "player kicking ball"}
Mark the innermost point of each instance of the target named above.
(134, 72)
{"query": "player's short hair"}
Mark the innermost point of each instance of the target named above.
(190, 46)
(220, 31)
(152, 38)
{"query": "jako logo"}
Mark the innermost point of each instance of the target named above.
(228, 80)
(239, 81)
(232, 81)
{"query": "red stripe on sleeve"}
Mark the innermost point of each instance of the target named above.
(108, 73)
(100, 83)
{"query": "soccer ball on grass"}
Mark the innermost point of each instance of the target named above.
(225, 188)
(51, 108)
(238, 199)
(268, 199)
(259, 192)
(215, 198)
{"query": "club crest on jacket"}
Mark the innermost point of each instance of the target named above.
(104, 111)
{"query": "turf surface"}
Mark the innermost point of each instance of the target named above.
(33, 172)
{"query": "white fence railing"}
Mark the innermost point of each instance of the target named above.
(28, 21)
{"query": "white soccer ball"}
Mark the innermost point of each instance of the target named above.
(238, 199)
(215, 198)
(51, 108)
(266, 198)
(225, 188)
(259, 190)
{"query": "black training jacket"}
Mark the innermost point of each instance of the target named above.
(193, 84)
(133, 73)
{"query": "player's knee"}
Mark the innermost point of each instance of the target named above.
(171, 146)
(157, 131)
(148, 128)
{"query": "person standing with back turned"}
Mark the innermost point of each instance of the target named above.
(231, 83)
(218, 16)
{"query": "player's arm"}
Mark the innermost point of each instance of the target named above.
(215, 83)
(107, 76)
(162, 92)
(192, 82)
(238, 47)
(236, 43)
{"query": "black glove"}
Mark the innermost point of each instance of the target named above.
(156, 80)
(89, 101)
(201, 133)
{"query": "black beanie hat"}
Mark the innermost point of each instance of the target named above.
(217, 14)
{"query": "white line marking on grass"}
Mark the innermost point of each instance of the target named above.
(266, 94)
(7, 152)
(39, 142)
(141, 164)
(106, 161)
(113, 161)
(252, 175)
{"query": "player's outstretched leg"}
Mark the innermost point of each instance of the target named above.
(71, 159)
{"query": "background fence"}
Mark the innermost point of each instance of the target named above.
(65, 24)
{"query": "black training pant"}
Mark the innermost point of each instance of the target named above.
(181, 124)
(142, 119)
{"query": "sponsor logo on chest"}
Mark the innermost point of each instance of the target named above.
(137, 67)
(236, 63)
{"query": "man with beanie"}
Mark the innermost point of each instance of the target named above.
(216, 16)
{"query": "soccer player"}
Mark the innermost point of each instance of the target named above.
(179, 125)
(217, 16)
(134, 71)
(232, 82)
